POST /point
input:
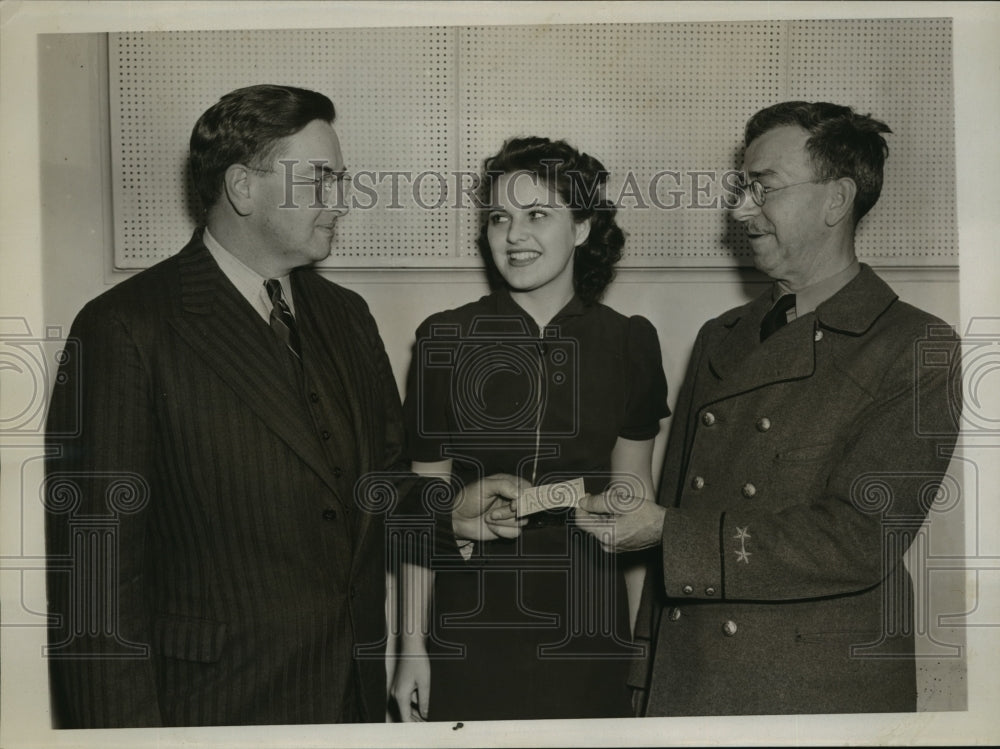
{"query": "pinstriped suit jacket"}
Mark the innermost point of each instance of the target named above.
(207, 562)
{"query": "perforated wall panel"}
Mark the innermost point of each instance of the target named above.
(661, 105)
(905, 80)
(647, 100)
(394, 94)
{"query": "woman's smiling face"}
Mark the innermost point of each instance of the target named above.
(532, 234)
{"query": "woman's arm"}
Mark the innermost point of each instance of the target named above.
(411, 683)
(632, 465)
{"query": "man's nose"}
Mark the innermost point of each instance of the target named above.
(746, 209)
(336, 200)
(338, 207)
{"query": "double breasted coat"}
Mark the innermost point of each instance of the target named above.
(208, 561)
(797, 473)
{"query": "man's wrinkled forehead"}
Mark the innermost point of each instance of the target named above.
(780, 152)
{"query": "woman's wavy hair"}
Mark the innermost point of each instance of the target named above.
(579, 179)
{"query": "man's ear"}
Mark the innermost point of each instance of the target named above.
(840, 204)
(236, 183)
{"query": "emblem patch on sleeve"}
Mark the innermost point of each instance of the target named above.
(742, 534)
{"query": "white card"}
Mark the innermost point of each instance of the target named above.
(562, 495)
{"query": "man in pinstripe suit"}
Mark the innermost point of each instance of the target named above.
(212, 560)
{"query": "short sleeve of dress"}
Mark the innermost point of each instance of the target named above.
(427, 404)
(645, 382)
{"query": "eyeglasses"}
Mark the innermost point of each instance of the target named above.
(328, 182)
(758, 193)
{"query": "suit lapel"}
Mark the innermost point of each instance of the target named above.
(330, 332)
(326, 329)
(225, 331)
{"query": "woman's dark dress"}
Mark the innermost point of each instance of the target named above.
(535, 627)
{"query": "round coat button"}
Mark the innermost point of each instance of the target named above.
(818, 336)
(675, 614)
(314, 397)
(688, 590)
(749, 490)
(697, 482)
(709, 591)
(729, 628)
(708, 418)
(325, 434)
(763, 424)
(329, 514)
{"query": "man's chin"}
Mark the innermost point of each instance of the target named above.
(325, 241)
(763, 263)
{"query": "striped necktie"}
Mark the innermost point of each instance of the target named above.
(282, 321)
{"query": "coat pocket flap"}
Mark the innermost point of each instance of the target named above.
(808, 453)
(188, 638)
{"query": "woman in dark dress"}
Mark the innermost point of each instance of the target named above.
(541, 381)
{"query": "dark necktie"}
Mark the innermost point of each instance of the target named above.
(777, 316)
(282, 321)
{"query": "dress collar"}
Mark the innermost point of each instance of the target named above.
(505, 305)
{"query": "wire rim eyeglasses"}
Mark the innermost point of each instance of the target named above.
(329, 182)
(758, 193)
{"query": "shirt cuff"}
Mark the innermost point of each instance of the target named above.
(465, 548)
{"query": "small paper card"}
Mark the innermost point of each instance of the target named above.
(562, 495)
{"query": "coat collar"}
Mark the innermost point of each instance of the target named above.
(856, 307)
(233, 340)
(742, 363)
(200, 277)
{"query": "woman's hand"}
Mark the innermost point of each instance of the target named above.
(411, 684)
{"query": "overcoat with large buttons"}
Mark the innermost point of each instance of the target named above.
(245, 581)
(797, 473)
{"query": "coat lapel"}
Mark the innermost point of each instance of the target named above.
(740, 362)
(225, 331)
